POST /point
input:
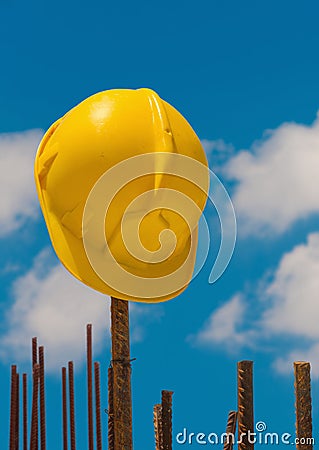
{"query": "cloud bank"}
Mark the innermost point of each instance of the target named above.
(49, 303)
(277, 180)
(18, 200)
(288, 311)
(276, 184)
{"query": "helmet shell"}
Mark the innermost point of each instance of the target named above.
(78, 149)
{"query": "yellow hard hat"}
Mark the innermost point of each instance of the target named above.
(112, 175)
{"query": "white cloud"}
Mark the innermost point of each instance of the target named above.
(18, 200)
(55, 307)
(223, 325)
(294, 292)
(278, 181)
(284, 364)
(10, 268)
(219, 145)
(51, 304)
(288, 311)
(217, 151)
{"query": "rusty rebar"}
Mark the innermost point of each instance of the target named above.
(17, 418)
(122, 400)
(303, 405)
(72, 407)
(64, 411)
(34, 415)
(89, 383)
(13, 407)
(245, 405)
(42, 400)
(34, 351)
(110, 409)
(97, 384)
(167, 419)
(25, 411)
(230, 430)
(158, 428)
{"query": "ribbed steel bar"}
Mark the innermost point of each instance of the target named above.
(35, 418)
(110, 410)
(303, 405)
(34, 351)
(17, 418)
(64, 411)
(97, 386)
(72, 406)
(230, 430)
(245, 405)
(89, 383)
(13, 408)
(122, 399)
(25, 411)
(42, 400)
(158, 428)
(167, 419)
(34, 415)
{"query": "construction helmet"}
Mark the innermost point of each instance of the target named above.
(122, 180)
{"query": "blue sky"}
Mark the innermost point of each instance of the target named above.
(245, 75)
